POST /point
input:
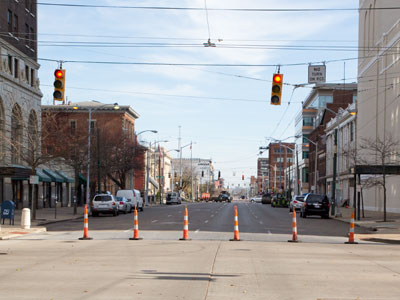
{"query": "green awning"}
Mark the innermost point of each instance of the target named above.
(65, 177)
(82, 179)
(54, 176)
(42, 176)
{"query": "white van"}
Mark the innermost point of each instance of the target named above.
(133, 196)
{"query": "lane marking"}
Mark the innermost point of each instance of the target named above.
(154, 221)
(261, 222)
(206, 221)
(212, 216)
(169, 216)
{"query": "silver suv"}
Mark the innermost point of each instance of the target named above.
(105, 204)
(173, 197)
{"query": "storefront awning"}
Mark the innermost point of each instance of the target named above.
(82, 179)
(53, 175)
(154, 182)
(42, 176)
(65, 177)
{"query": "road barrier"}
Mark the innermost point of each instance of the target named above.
(185, 226)
(351, 232)
(236, 226)
(135, 227)
(294, 228)
(86, 226)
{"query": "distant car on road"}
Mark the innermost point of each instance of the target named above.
(123, 205)
(296, 203)
(266, 198)
(315, 204)
(134, 197)
(104, 204)
(256, 199)
(173, 197)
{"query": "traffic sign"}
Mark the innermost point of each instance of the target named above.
(316, 73)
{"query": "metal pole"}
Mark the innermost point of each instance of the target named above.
(98, 161)
(191, 171)
(315, 167)
(159, 172)
(334, 174)
(280, 165)
(275, 179)
(297, 172)
(146, 196)
(88, 162)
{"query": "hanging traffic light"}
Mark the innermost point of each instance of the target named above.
(242, 177)
(59, 85)
(202, 173)
(219, 175)
(276, 93)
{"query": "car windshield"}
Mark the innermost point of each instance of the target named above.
(102, 198)
(299, 198)
(315, 198)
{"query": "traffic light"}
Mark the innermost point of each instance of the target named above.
(59, 85)
(202, 173)
(276, 93)
(219, 174)
(242, 177)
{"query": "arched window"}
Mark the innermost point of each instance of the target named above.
(2, 131)
(33, 137)
(16, 134)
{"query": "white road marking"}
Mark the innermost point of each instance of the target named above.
(212, 216)
(169, 216)
(206, 221)
(269, 232)
(197, 231)
(154, 221)
(261, 222)
(128, 230)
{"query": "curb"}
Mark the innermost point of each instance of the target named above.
(13, 235)
(58, 221)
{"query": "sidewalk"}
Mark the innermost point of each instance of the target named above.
(380, 231)
(44, 216)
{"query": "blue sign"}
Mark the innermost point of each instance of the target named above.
(8, 211)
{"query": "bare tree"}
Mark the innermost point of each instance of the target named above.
(24, 142)
(384, 152)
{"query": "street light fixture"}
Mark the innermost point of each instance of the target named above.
(90, 109)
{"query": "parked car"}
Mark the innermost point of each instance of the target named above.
(132, 196)
(296, 203)
(256, 199)
(173, 197)
(104, 204)
(315, 204)
(123, 205)
(224, 196)
(266, 198)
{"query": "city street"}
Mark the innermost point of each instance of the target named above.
(206, 221)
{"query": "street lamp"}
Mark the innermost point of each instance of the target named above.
(90, 109)
(180, 163)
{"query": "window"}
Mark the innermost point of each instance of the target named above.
(305, 139)
(288, 150)
(92, 124)
(15, 25)
(305, 154)
(304, 175)
(9, 20)
(10, 63)
(72, 125)
(308, 121)
(32, 77)
(278, 150)
(16, 67)
(31, 38)
(27, 73)
(27, 33)
(351, 131)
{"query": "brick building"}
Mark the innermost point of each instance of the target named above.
(20, 98)
(112, 128)
(262, 174)
(280, 158)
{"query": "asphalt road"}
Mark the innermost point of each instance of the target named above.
(214, 217)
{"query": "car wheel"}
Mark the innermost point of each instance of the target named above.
(142, 207)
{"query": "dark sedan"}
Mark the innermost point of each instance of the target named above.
(315, 204)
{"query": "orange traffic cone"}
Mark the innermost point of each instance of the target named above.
(135, 227)
(294, 228)
(86, 226)
(351, 233)
(236, 226)
(185, 226)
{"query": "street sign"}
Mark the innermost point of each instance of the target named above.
(316, 73)
(34, 179)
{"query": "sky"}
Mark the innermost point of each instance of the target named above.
(225, 110)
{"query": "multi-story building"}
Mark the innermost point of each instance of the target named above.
(378, 103)
(112, 129)
(280, 158)
(320, 95)
(20, 98)
(262, 174)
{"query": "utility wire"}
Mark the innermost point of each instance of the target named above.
(216, 9)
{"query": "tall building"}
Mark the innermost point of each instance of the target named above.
(262, 174)
(378, 103)
(280, 158)
(305, 123)
(20, 98)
